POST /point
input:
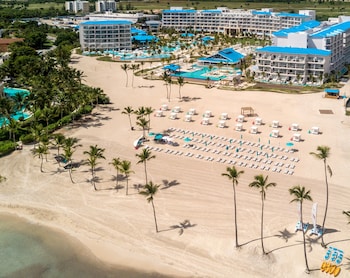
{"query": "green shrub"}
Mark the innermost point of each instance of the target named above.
(6, 147)
(27, 138)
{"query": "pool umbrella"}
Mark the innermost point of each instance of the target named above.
(187, 139)
(289, 144)
(158, 136)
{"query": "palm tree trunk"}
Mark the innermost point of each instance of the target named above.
(41, 165)
(302, 229)
(326, 208)
(127, 186)
(70, 175)
(235, 214)
(262, 225)
(154, 214)
(93, 178)
(130, 121)
(146, 172)
(116, 186)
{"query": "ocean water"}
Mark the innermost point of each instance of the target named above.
(29, 250)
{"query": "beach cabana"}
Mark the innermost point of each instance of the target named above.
(257, 121)
(164, 107)
(275, 133)
(296, 137)
(240, 119)
(192, 111)
(239, 127)
(222, 124)
(176, 109)
(247, 111)
(224, 116)
(275, 124)
(315, 130)
(207, 114)
(173, 116)
(331, 93)
(294, 127)
(254, 129)
(205, 121)
(188, 118)
(158, 113)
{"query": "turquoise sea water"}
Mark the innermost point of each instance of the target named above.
(32, 251)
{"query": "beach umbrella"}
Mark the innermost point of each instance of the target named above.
(241, 136)
(151, 134)
(158, 136)
(227, 148)
(259, 140)
(269, 141)
(187, 139)
(289, 144)
(230, 141)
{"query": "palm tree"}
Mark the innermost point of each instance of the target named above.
(59, 140)
(143, 123)
(300, 194)
(116, 164)
(69, 146)
(150, 191)
(125, 168)
(133, 68)
(40, 152)
(165, 78)
(125, 68)
(180, 82)
(234, 175)
(128, 111)
(140, 112)
(261, 183)
(145, 156)
(93, 154)
(148, 112)
(323, 153)
(347, 213)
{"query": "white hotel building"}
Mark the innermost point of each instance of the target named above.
(306, 54)
(105, 34)
(224, 20)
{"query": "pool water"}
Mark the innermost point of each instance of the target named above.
(11, 92)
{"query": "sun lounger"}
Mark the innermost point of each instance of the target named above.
(336, 271)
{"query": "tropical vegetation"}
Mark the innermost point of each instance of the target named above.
(149, 191)
(233, 174)
(260, 182)
(300, 194)
(323, 153)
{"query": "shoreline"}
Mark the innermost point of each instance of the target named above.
(119, 229)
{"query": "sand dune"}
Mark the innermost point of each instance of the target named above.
(119, 229)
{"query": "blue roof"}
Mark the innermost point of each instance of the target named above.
(137, 31)
(105, 22)
(332, 30)
(179, 11)
(212, 11)
(207, 38)
(332, 91)
(294, 50)
(227, 55)
(261, 13)
(144, 38)
(172, 67)
(290, 15)
(300, 28)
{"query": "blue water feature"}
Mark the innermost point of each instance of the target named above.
(11, 92)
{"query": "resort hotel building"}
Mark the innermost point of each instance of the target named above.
(105, 35)
(223, 20)
(307, 54)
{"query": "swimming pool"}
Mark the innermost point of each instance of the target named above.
(11, 92)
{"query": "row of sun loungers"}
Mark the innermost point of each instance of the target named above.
(230, 151)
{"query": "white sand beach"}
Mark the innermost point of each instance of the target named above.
(119, 229)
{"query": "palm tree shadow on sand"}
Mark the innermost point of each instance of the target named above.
(167, 184)
(182, 226)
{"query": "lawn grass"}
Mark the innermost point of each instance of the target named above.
(323, 10)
